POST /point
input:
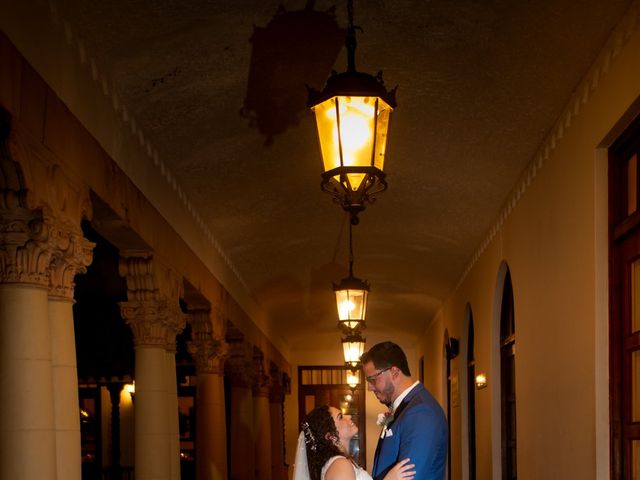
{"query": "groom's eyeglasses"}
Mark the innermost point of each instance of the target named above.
(372, 378)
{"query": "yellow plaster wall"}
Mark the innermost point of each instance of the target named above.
(550, 234)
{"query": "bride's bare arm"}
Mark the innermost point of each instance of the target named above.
(401, 470)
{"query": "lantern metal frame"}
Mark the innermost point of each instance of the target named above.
(353, 84)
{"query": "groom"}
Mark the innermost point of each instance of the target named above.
(417, 427)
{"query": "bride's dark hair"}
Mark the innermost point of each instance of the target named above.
(321, 439)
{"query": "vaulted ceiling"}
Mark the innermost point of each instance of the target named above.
(218, 88)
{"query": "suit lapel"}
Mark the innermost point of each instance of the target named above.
(403, 405)
(398, 411)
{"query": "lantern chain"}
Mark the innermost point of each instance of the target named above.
(350, 41)
(350, 249)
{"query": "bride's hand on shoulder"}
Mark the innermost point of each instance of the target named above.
(401, 470)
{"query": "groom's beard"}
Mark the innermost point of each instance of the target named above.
(385, 395)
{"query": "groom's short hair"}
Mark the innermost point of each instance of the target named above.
(386, 355)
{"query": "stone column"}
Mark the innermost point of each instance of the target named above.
(114, 396)
(276, 415)
(209, 354)
(153, 313)
(239, 368)
(27, 426)
(71, 255)
(172, 408)
(261, 418)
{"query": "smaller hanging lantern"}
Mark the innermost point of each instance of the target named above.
(351, 297)
(353, 378)
(353, 347)
(351, 300)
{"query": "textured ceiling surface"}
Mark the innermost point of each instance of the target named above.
(219, 89)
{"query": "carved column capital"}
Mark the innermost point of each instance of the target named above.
(25, 251)
(261, 386)
(209, 355)
(208, 352)
(72, 254)
(41, 205)
(276, 389)
(175, 324)
(239, 366)
(152, 322)
(260, 378)
(153, 307)
(240, 372)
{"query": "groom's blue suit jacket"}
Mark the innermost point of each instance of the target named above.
(418, 431)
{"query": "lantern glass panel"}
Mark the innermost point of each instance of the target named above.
(352, 306)
(357, 117)
(326, 121)
(384, 114)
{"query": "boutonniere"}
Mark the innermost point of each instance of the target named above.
(384, 419)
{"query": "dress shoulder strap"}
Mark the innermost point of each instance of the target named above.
(328, 463)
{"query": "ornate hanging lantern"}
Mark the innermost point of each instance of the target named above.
(352, 116)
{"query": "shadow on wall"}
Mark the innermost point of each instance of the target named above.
(295, 49)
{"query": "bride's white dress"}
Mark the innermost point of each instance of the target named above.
(361, 474)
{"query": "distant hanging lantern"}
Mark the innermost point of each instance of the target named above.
(352, 116)
(353, 347)
(351, 299)
(353, 378)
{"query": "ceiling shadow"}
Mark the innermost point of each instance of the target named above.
(295, 49)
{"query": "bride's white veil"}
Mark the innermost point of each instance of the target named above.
(301, 465)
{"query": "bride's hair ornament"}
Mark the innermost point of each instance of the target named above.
(309, 438)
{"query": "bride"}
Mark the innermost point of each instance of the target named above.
(323, 452)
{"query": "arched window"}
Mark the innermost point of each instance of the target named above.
(508, 381)
(471, 398)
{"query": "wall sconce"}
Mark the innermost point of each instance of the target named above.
(481, 380)
(130, 388)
